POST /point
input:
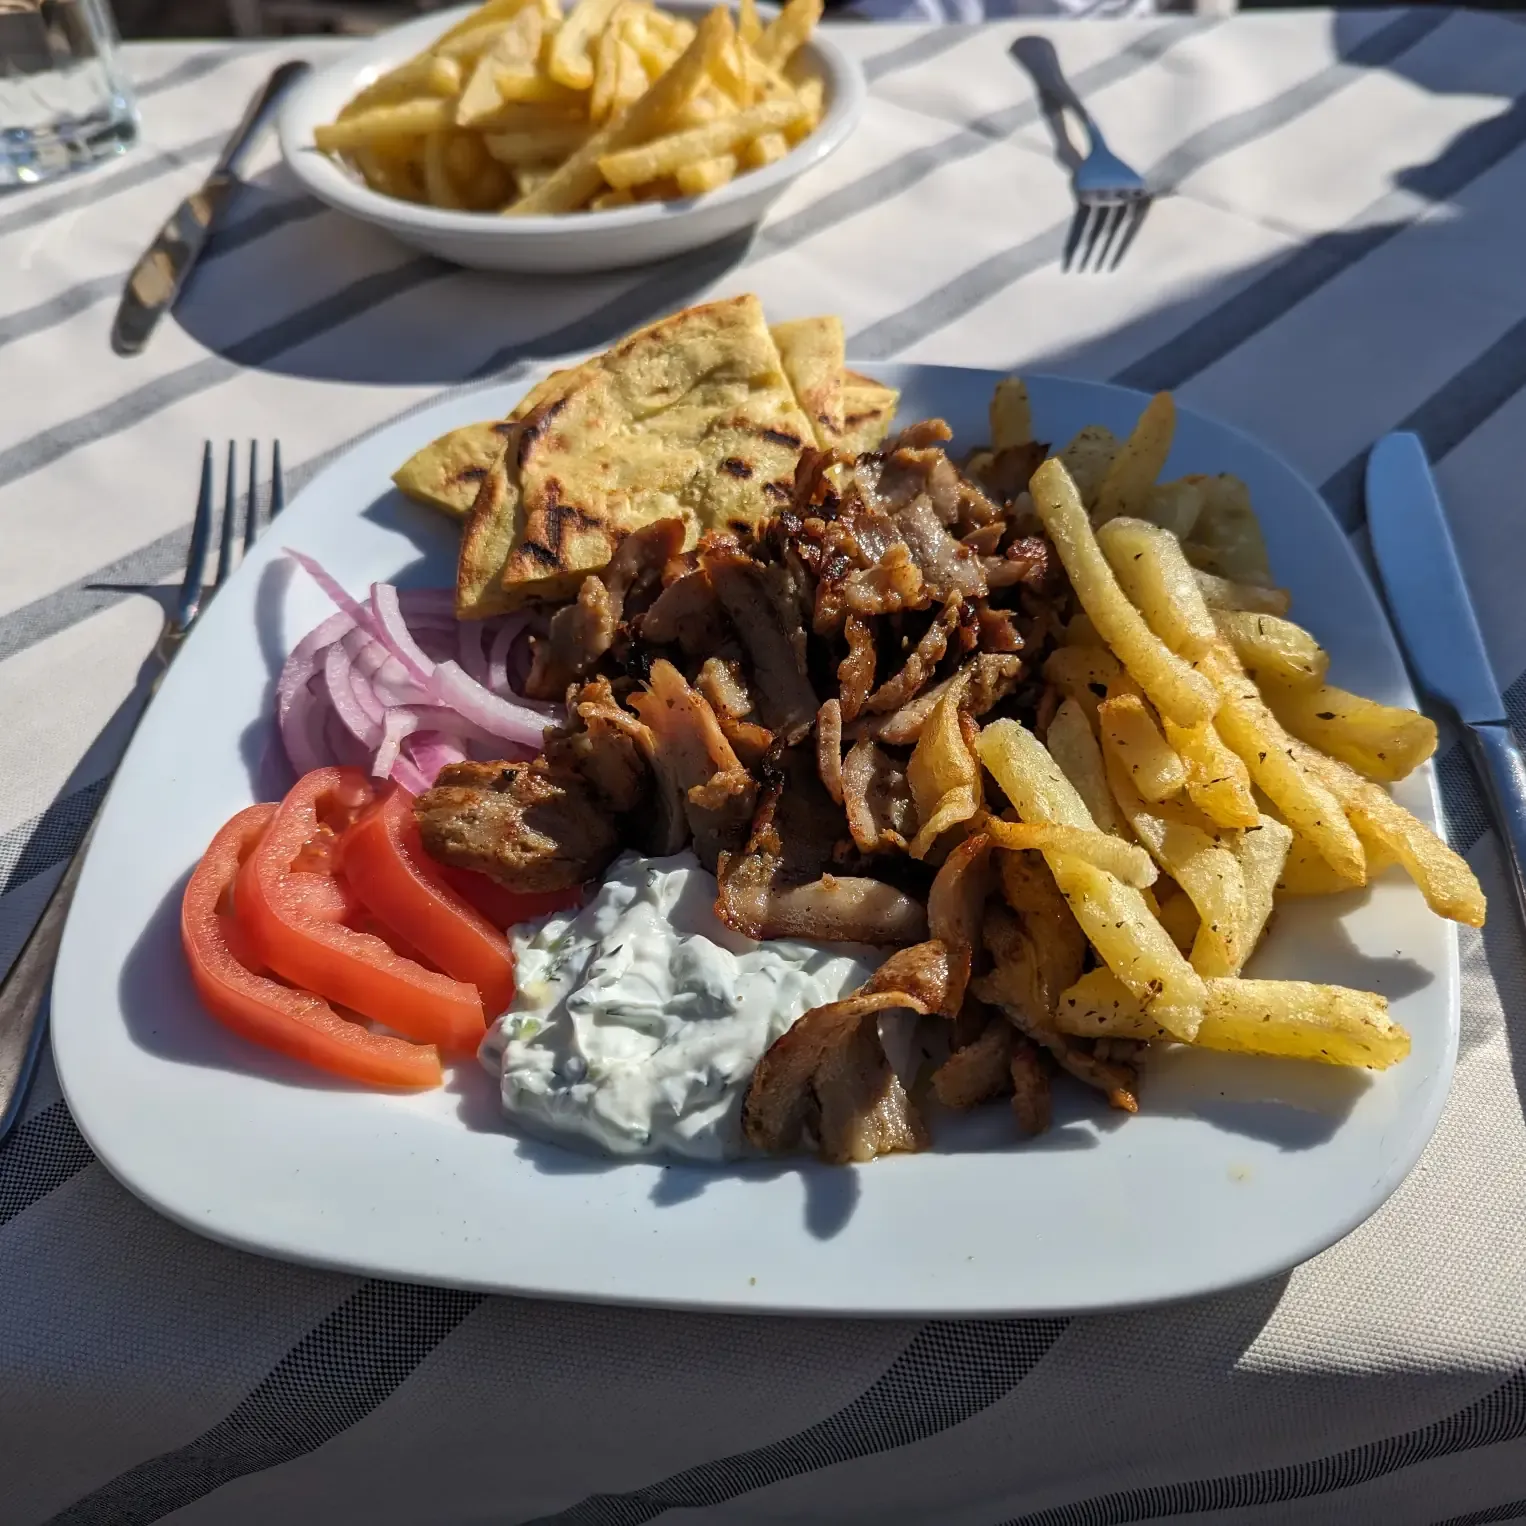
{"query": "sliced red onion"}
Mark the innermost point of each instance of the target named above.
(397, 685)
(394, 633)
(503, 717)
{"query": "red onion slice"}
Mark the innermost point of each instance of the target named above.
(503, 718)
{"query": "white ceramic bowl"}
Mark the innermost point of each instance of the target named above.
(565, 243)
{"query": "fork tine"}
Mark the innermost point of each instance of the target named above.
(252, 508)
(189, 600)
(1136, 220)
(1073, 237)
(1122, 213)
(226, 548)
(1106, 218)
(277, 481)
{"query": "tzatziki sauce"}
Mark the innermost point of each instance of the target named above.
(638, 1018)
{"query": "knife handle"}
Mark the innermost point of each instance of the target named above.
(1503, 772)
(256, 115)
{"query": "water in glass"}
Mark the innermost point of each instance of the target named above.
(64, 102)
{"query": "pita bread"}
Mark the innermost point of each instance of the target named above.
(448, 472)
(868, 412)
(811, 351)
(691, 418)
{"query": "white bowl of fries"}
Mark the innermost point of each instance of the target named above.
(511, 136)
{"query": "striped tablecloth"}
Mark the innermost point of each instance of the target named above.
(1341, 254)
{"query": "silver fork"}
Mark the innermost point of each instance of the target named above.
(23, 992)
(1112, 200)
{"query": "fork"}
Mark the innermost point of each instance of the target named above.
(24, 990)
(1111, 199)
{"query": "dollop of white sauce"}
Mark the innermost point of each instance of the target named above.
(638, 1018)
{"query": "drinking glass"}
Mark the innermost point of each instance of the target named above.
(64, 103)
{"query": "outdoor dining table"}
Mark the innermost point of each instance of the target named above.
(1336, 251)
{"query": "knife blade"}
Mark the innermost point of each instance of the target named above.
(1428, 600)
(159, 276)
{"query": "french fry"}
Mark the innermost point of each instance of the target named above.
(1073, 745)
(1263, 852)
(1220, 593)
(1084, 674)
(1172, 686)
(1011, 415)
(494, 10)
(1176, 913)
(464, 157)
(424, 75)
(608, 200)
(516, 48)
(784, 34)
(1271, 647)
(811, 94)
(1306, 873)
(1175, 505)
(578, 179)
(1088, 458)
(1124, 860)
(1294, 1019)
(1229, 534)
(1150, 567)
(943, 776)
(543, 145)
(1142, 752)
(1126, 488)
(749, 27)
(437, 182)
(523, 85)
(1381, 742)
(1113, 915)
(667, 156)
(569, 62)
(1218, 783)
(1202, 865)
(606, 73)
(1304, 802)
(407, 119)
(765, 149)
(1449, 886)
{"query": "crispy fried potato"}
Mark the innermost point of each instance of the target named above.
(944, 777)
(1175, 505)
(1176, 913)
(1073, 745)
(765, 149)
(1150, 567)
(1307, 874)
(569, 61)
(1218, 783)
(1220, 593)
(1087, 458)
(1449, 886)
(1197, 860)
(1270, 647)
(784, 34)
(667, 156)
(749, 26)
(1084, 674)
(427, 74)
(438, 186)
(1262, 851)
(1127, 862)
(578, 179)
(1113, 915)
(1228, 534)
(1011, 417)
(1382, 742)
(1126, 488)
(406, 119)
(1291, 1018)
(1305, 803)
(537, 146)
(1173, 687)
(1130, 731)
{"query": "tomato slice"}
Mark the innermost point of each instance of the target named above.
(287, 911)
(385, 865)
(296, 1023)
(501, 906)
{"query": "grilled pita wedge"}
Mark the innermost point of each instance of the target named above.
(691, 418)
(811, 352)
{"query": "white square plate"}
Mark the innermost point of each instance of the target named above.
(1235, 1168)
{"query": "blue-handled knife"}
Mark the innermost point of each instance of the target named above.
(1428, 600)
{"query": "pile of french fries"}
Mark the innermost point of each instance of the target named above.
(1198, 767)
(521, 109)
